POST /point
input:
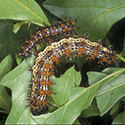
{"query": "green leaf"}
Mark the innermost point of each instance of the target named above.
(27, 10)
(18, 76)
(5, 100)
(115, 107)
(9, 42)
(94, 17)
(5, 67)
(76, 122)
(120, 119)
(95, 77)
(64, 86)
(92, 110)
(18, 81)
(17, 26)
(110, 93)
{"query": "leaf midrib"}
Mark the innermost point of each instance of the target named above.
(121, 84)
(104, 13)
(28, 9)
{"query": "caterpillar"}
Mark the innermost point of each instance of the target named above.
(48, 60)
(62, 28)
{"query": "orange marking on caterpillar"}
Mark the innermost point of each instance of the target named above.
(49, 83)
(44, 73)
(42, 92)
(43, 82)
(47, 65)
(49, 92)
(44, 103)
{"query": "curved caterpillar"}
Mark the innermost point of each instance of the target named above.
(47, 60)
(63, 28)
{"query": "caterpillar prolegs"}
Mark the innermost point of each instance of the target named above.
(47, 61)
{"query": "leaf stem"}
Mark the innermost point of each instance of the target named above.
(120, 57)
(2, 111)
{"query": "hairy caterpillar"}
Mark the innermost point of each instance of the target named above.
(62, 28)
(47, 60)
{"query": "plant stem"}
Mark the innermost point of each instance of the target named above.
(120, 57)
(2, 111)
